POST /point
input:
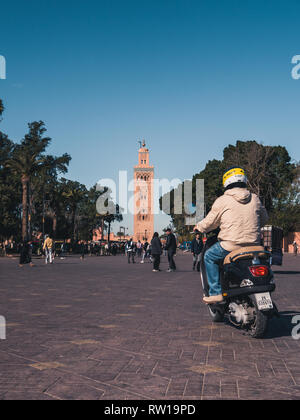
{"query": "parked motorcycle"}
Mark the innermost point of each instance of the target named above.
(247, 282)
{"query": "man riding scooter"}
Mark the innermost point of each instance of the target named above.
(240, 215)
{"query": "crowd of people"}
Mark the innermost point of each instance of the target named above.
(155, 249)
(134, 251)
(50, 249)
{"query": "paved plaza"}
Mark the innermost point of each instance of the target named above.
(103, 329)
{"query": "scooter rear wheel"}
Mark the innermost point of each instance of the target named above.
(259, 326)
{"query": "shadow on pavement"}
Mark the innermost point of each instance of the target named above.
(286, 272)
(283, 326)
(278, 327)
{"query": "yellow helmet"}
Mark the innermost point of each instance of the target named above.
(234, 175)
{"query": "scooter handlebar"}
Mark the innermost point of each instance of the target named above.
(195, 232)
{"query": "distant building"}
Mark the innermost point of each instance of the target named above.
(288, 241)
(143, 197)
(97, 236)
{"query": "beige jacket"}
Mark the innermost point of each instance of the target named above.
(48, 243)
(240, 215)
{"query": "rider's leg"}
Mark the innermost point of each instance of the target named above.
(212, 257)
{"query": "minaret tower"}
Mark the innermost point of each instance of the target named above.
(143, 197)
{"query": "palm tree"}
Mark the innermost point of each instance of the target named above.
(1, 107)
(74, 195)
(110, 218)
(49, 188)
(28, 161)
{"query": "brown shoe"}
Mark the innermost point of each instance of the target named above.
(213, 299)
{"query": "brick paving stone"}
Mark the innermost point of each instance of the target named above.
(103, 329)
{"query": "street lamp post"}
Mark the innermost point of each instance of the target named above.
(123, 228)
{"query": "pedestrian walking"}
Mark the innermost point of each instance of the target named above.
(62, 251)
(48, 249)
(82, 250)
(171, 247)
(295, 247)
(26, 254)
(114, 249)
(145, 251)
(131, 250)
(196, 249)
(165, 251)
(139, 249)
(156, 251)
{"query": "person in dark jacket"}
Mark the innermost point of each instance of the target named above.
(196, 249)
(156, 251)
(171, 247)
(131, 250)
(82, 250)
(26, 254)
(145, 252)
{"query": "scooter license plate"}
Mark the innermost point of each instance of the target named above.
(264, 301)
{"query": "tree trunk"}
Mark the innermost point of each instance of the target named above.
(74, 225)
(108, 233)
(25, 207)
(102, 229)
(54, 225)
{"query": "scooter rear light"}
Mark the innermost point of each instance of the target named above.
(259, 270)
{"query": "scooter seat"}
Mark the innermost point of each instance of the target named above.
(245, 252)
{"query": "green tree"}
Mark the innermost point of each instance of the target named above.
(269, 170)
(286, 209)
(1, 107)
(212, 175)
(10, 193)
(110, 218)
(28, 161)
(213, 182)
(47, 192)
(110, 211)
(74, 195)
(89, 219)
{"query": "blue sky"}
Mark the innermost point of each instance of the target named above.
(189, 76)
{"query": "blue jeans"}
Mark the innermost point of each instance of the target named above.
(212, 257)
(172, 264)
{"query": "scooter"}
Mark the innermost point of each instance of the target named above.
(247, 283)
